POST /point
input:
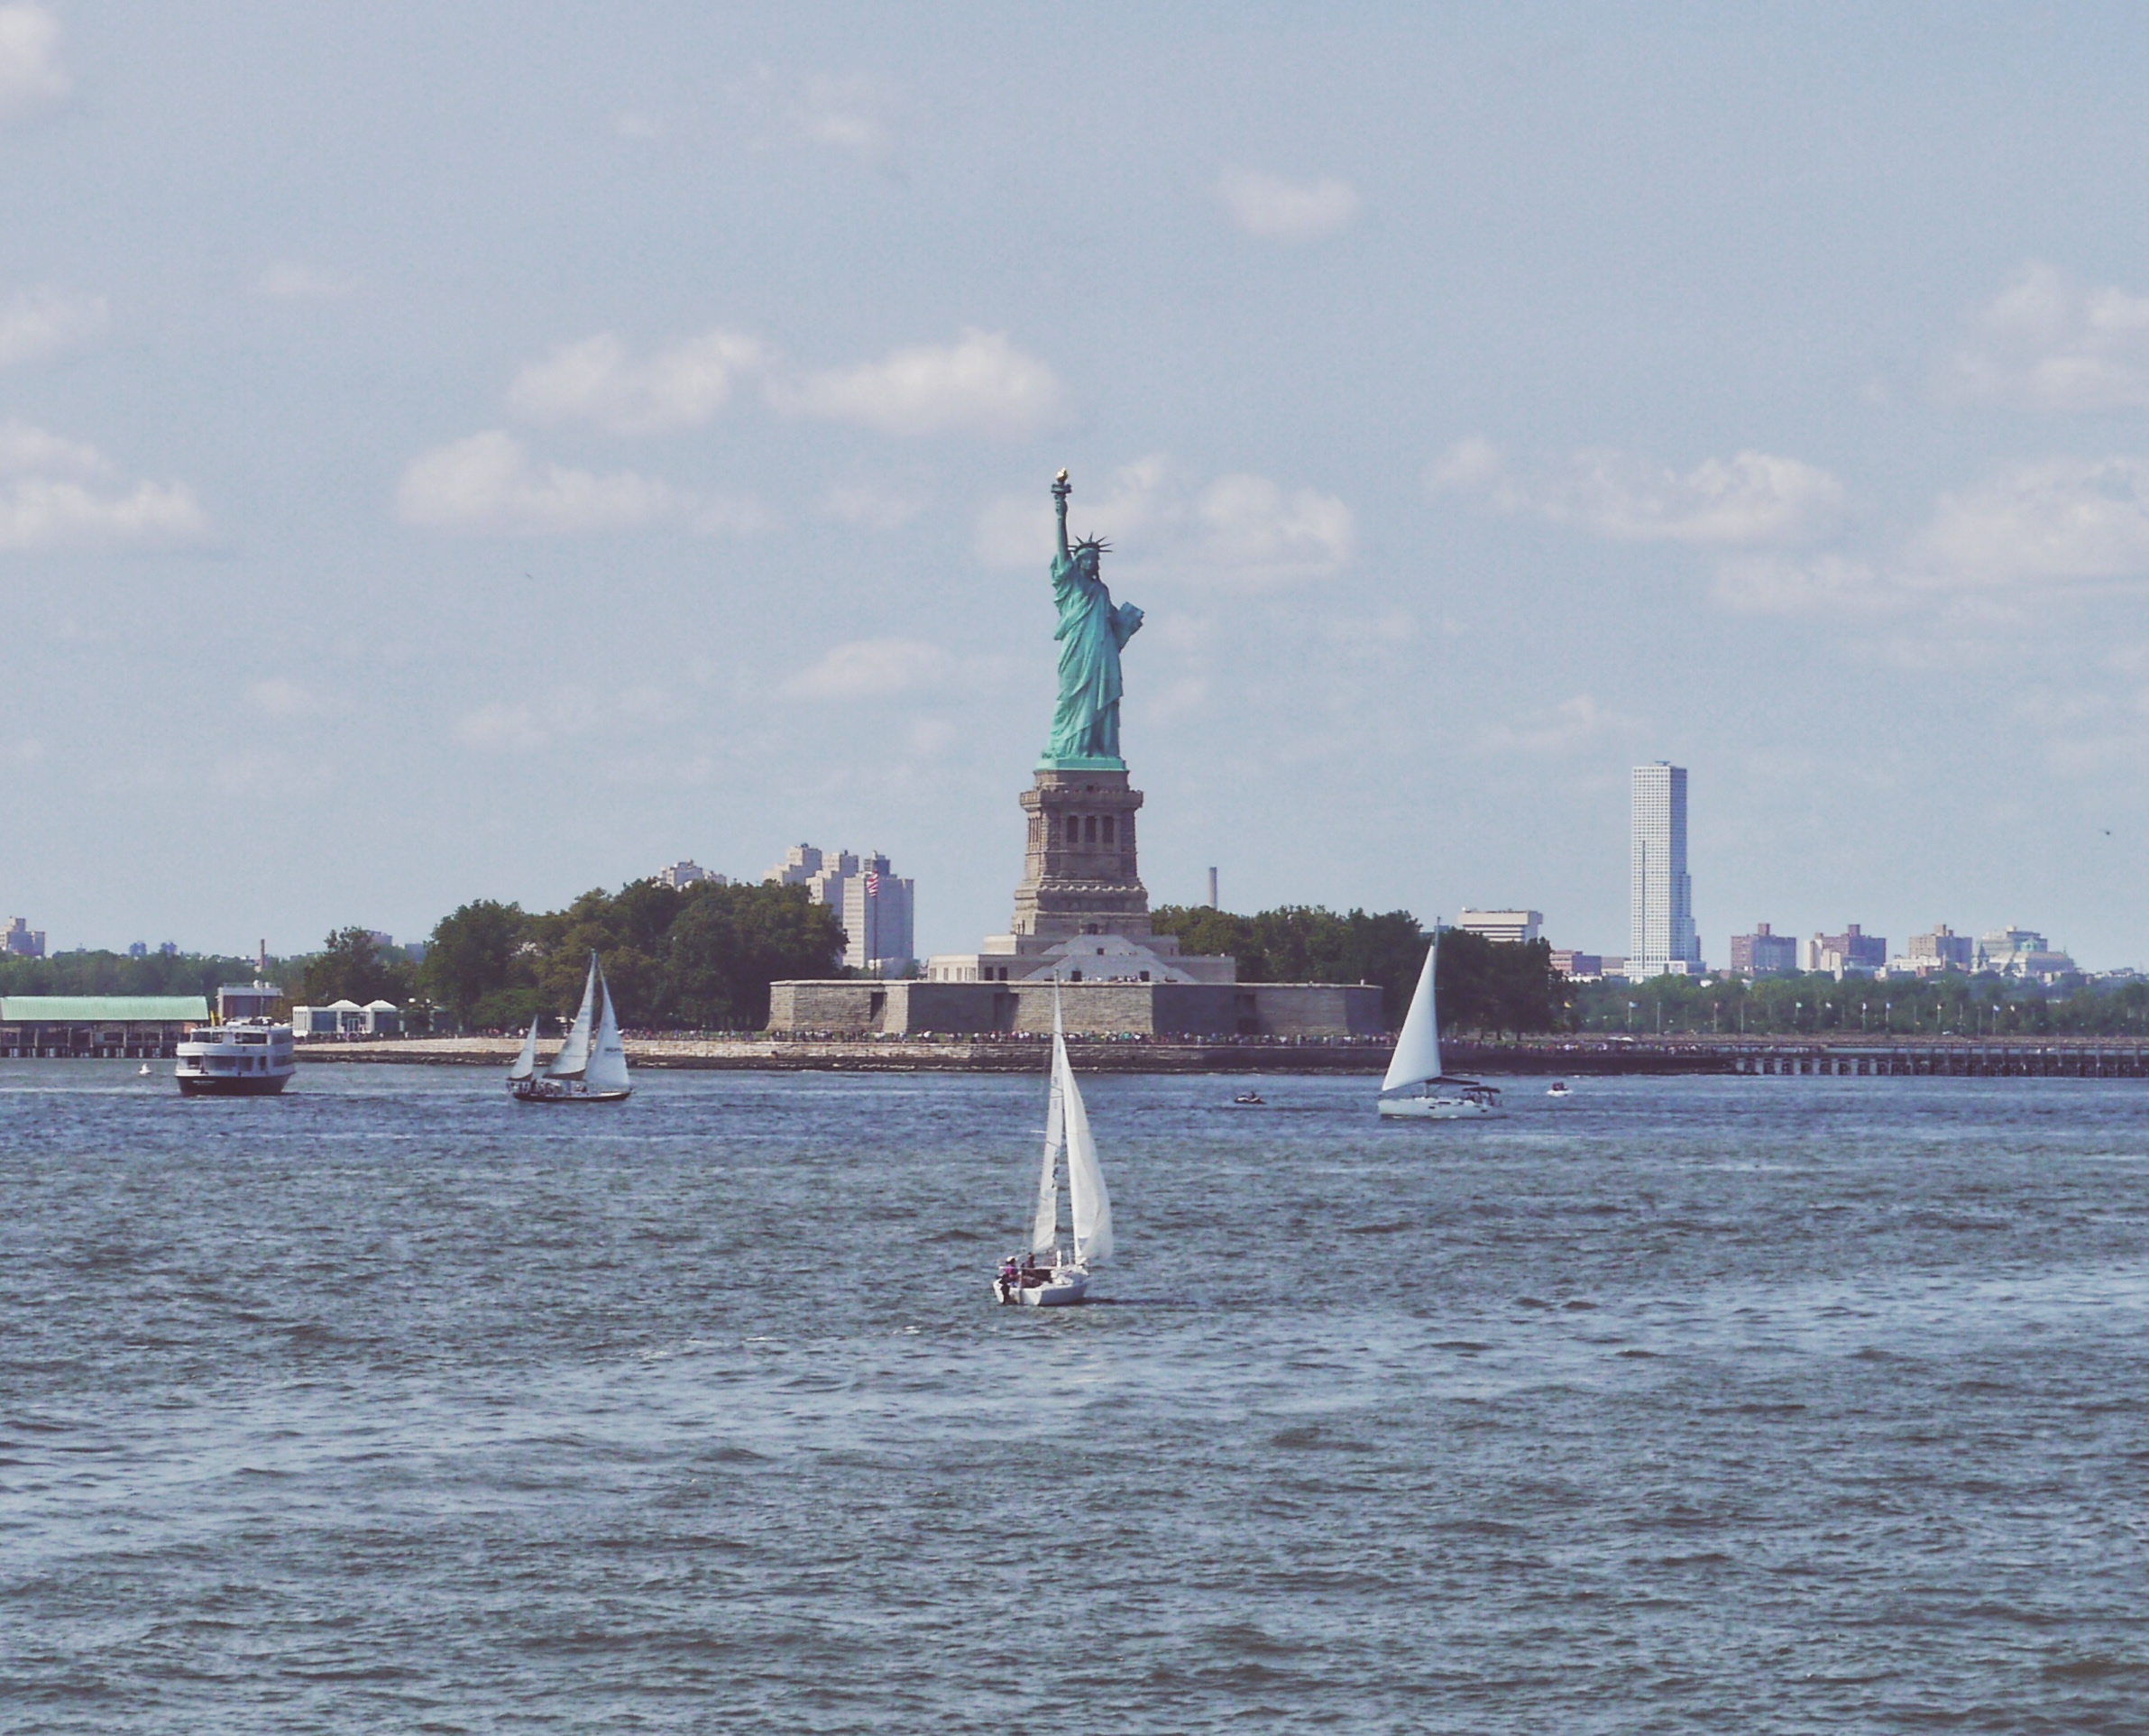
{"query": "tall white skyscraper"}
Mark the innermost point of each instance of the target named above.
(1660, 934)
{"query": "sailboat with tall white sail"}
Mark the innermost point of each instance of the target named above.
(591, 1064)
(1415, 1085)
(1050, 1273)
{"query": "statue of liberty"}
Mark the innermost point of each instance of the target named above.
(1092, 632)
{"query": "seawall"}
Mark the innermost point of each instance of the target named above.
(1850, 1055)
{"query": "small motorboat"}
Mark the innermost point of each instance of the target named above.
(1249, 1099)
(141, 1071)
(1559, 1092)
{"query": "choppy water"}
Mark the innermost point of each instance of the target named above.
(1733, 1406)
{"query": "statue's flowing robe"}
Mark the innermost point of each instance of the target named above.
(1086, 722)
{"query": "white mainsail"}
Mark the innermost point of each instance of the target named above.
(1417, 1056)
(1087, 1200)
(574, 1054)
(526, 1063)
(607, 1067)
(1044, 1228)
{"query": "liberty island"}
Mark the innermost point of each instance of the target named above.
(1081, 921)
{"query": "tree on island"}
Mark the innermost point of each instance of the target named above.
(351, 968)
(700, 957)
(1484, 986)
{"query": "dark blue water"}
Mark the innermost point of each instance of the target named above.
(1692, 1405)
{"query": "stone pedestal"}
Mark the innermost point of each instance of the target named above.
(1079, 874)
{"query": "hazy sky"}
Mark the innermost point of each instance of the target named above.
(454, 450)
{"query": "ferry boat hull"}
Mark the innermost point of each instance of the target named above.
(260, 1086)
(234, 1058)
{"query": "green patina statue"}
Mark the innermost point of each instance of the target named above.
(1092, 631)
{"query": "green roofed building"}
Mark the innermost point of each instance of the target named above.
(129, 1026)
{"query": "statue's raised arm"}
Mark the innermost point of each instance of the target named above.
(1062, 488)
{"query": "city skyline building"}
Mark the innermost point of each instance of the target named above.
(1509, 927)
(877, 907)
(1661, 938)
(1853, 952)
(684, 874)
(1763, 952)
(1940, 949)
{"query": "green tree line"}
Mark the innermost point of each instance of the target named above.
(114, 973)
(1953, 1004)
(1480, 986)
(695, 958)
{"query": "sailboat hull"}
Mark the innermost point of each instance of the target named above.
(1062, 1288)
(1447, 1102)
(548, 1090)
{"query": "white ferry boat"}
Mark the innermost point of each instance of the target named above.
(237, 1057)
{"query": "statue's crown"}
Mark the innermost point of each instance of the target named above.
(1096, 543)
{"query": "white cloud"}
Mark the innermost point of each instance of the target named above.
(1751, 499)
(25, 451)
(598, 380)
(729, 515)
(844, 113)
(489, 484)
(1276, 209)
(57, 495)
(287, 279)
(2048, 343)
(1236, 529)
(981, 383)
(870, 504)
(1253, 529)
(32, 78)
(872, 669)
(631, 124)
(280, 696)
(1776, 585)
(2065, 521)
(1571, 724)
(38, 513)
(41, 323)
(502, 729)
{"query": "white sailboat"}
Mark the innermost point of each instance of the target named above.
(1048, 1275)
(1415, 1085)
(591, 1064)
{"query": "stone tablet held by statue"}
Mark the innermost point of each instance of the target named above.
(1092, 632)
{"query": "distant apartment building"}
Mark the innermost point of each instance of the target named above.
(876, 906)
(1661, 938)
(1764, 952)
(24, 941)
(682, 875)
(1582, 967)
(1927, 955)
(2023, 952)
(1508, 926)
(1851, 953)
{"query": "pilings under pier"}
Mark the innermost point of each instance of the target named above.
(1850, 1057)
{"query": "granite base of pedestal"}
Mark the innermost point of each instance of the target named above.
(909, 1007)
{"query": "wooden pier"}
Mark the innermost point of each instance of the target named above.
(1848, 1056)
